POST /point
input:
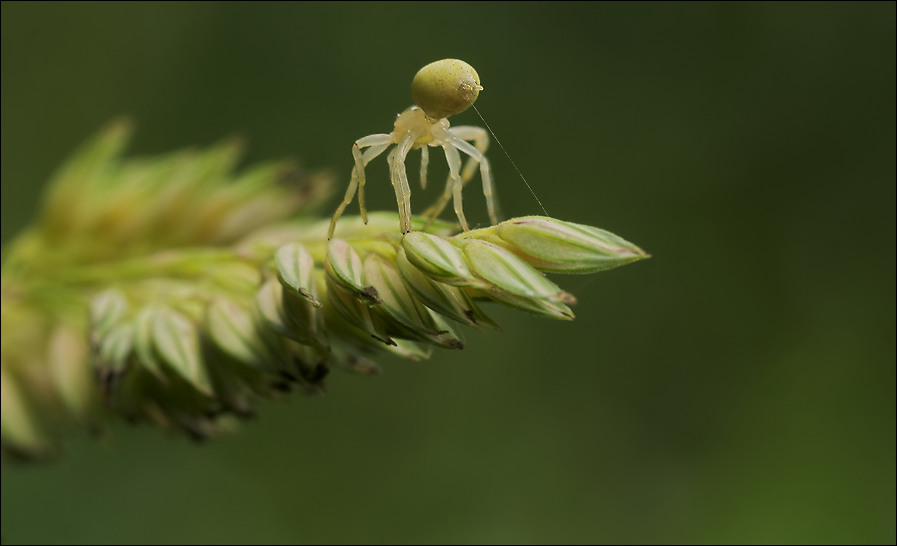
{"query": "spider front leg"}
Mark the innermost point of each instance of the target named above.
(376, 144)
(399, 178)
(424, 164)
(480, 139)
(476, 157)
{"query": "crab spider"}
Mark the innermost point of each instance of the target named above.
(439, 90)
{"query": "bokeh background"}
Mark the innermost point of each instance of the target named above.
(737, 387)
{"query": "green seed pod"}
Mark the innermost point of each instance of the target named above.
(439, 259)
(554, 246)
(404, 315)
(305, 320)
(20, 430)
(445, 88)
(231, 328)
(504, 270)
(107, 309)
(354, 312)
(269, 304)
(543, 308)
(144, 347)
(70, 370)
(343, 266)
(114, 350)
(450, 301)
(177, 343)
(296, 268)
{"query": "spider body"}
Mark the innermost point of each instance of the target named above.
(440, 89)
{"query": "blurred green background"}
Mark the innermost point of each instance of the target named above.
(737, 387)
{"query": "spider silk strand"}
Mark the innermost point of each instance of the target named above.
(530, 188)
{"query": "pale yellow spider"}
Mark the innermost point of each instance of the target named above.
(439, 90)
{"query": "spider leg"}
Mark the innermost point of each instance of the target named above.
(476, 157)
(480, 139)
(399, 178)
(476, 154)
(424, 163)
(453, 158)
(377, 144)
(485, 174)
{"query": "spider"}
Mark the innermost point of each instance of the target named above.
(439, 90)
